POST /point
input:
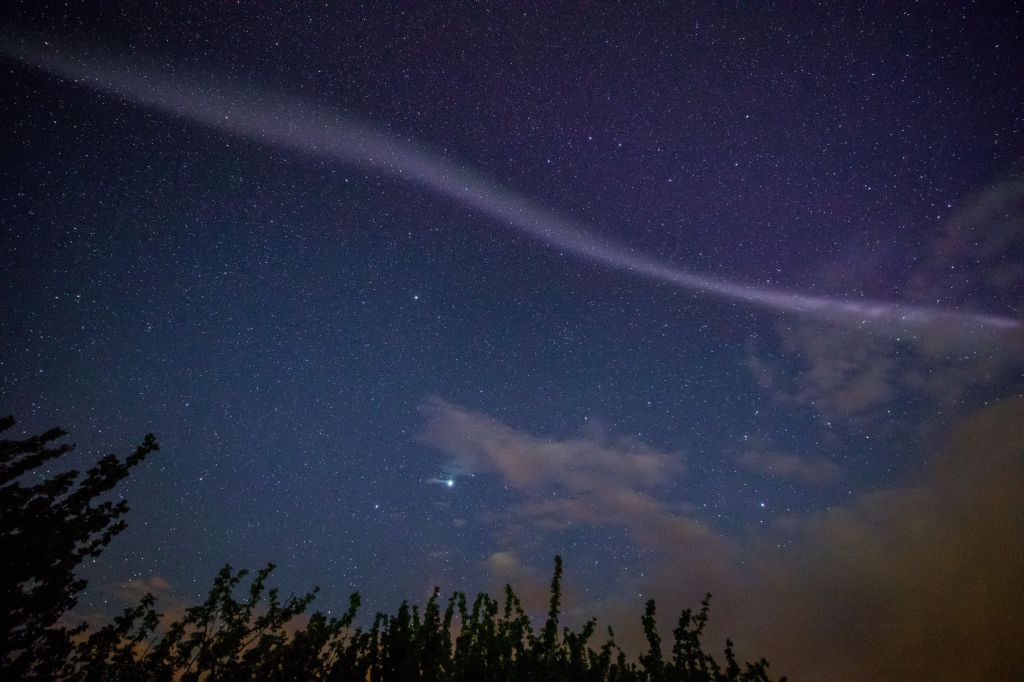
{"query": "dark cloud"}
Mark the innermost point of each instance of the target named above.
(919, 582)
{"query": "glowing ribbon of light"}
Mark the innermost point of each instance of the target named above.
(309, 128)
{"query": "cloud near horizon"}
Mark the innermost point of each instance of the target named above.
(915, 582)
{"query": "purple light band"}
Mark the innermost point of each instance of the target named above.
(310, 129)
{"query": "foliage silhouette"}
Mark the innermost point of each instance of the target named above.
(227, 638)
(245, 631)
(47, 528)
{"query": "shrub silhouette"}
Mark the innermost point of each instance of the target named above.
(46, 529)
(227, 638)
(245, 631)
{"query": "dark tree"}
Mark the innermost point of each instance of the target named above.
(235, 635)
(48, 525)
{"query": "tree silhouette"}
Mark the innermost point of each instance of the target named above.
(245, 631)
(232, 638)
(48, 525)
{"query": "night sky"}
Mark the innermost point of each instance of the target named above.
(722, 299)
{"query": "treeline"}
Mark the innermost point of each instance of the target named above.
(245, 631)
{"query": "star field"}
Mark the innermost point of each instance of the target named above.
(380, 387)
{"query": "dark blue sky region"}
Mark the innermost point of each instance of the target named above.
(321, 345)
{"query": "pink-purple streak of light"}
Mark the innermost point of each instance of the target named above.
(310, 129)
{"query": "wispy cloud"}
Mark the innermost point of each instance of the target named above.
(601, 470)
(850, 372)
(812, 471)
(586, 481)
